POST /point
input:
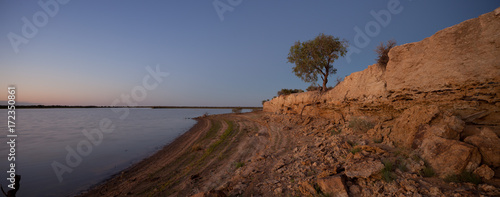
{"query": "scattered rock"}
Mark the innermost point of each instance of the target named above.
(333, 185)
(363, 169)
(211, 193)
(328, 172)
(489, 189)
(306, 188)
(435, 191)
(485, 172)
(415, 166)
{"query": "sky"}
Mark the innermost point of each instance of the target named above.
(201, 53)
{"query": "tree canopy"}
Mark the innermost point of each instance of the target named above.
(316, 57)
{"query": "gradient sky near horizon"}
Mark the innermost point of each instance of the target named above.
(92, 52)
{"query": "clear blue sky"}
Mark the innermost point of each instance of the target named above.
(92, 52)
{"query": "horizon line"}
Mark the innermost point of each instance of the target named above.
(125, 106)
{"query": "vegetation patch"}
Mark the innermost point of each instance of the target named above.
(464, 177)
(319, 192)
(383, 52)
(402, 166)
(387, 174)
(336, 131)
(213, 130)
(289, 91)
(222, 138)
(196, 147)
(427, 171)
(239, 164)
(355, 150)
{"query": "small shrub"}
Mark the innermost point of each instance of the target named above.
(415, 157)
(289, 91)
(402, 152)
(359, 124)
(196, 147)
(237, 110)
(336, 131)
(239, 164)
(402, 165)
(383, 52)
(355, 150)
(387, 174)
(427, 171)
(465, 176)
(313, 87)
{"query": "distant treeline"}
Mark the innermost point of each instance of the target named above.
(93, 106)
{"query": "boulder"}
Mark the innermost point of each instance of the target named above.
(450, 127)
(449, 157)
(409, 127)
(333, 186)
(363, 169)
(489, 146)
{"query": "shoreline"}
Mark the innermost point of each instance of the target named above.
(167, 153)
(210, 155)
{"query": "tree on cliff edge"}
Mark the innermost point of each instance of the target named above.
(315, 57)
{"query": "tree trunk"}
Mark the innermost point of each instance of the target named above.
(325, 80)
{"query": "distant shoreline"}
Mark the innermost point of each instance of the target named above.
(152, 107)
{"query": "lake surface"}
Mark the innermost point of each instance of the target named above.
(46, 136)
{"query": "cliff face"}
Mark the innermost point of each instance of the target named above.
(458, 56)
(439, 93)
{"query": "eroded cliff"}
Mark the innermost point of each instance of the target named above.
(439, 97)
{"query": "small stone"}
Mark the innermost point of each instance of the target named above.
(485, 172)
(489, 189)
(355, 190)
(278, 191)
(435, 191)
(333, 185)
(306, 188)
(328, 172)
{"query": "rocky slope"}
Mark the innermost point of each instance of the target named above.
(437, 99)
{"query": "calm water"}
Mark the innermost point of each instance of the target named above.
(44, 135)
